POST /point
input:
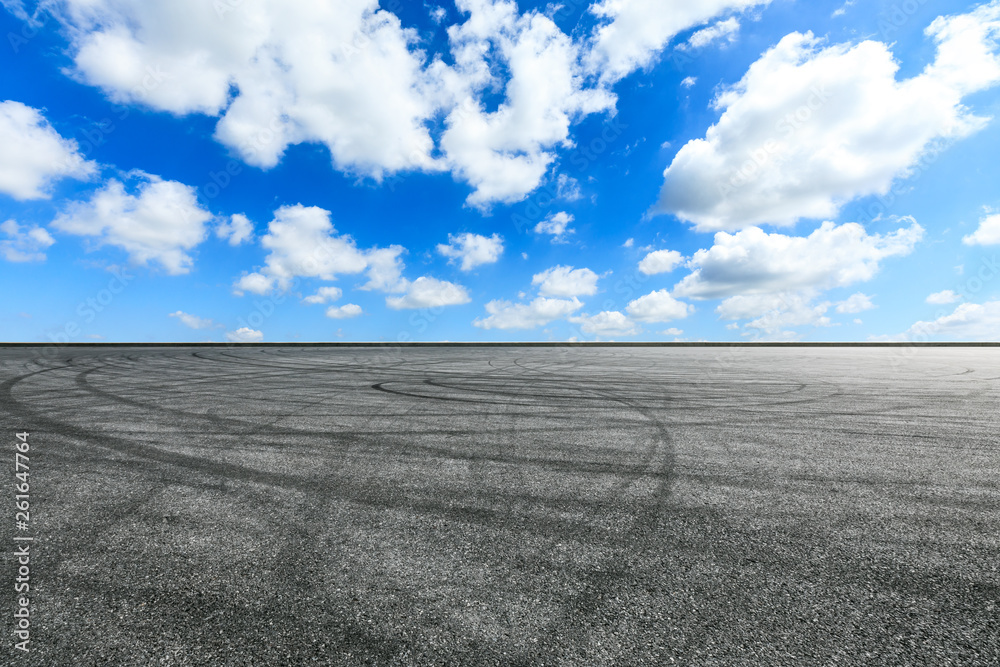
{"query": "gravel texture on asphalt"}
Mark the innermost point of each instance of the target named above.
(507, 506)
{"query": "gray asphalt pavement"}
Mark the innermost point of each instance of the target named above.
(506, 506)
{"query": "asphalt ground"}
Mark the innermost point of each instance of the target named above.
(509, 506)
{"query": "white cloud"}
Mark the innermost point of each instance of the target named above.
(504, 154)
(856, 303)
(193, 321)
(988, 232)
(606, 324)
(24, 244)
(754, 262)
(34, 155)
(809, 128)
(556, 224)
(943, 297)
(506, 315)
(344, 74)
(566, 281)
(673, 331)
(639, 29)
(771, 314)
(426, 292)
(304, 243)
(237, 230)
(658, 306)
(688, 82)
(628, 243)
(968, 322)
(323, 295)
(160, 223)
(255, 283)
(660, 261)
(472, 249)
(385, 269)
(723, 30)
(244, 335)
(343, 312)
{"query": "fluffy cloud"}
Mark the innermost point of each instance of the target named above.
(968, 322)
(660, 261)
(34, 155)
(344, 74)
(244, 335)
(855, 303)
(723, 30)
(343, 312)
(988, 232)
(639, 29)
(566, 281)
(160, 223)
(771, 314)
(472, 250)
(659, 306)
(304, 243)
(606, 324)
(324, 295)
(556, 224)
(504, 154)
(193, 321)
(755, 262)
(809, 128)
(24, 245)
(237, 230)
(506, 315)
(943, 297)
(426, 292)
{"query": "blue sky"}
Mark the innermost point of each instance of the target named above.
(247, 170)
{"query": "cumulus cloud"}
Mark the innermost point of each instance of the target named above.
(658, 306)
(634, 32)
(426, 292)
(472, 250)
(723, 30)
(344, 74)
(755, 262)
(193, 321)
(506, 315)
(34, 155)
(988, 232)
(24, 244)
(304, 243)
(244, 335)
(968, 322)
(343, 312)
(856, 303)
(236, 231)
(556, 224)
(324, 295)
(943, 297)
(566, 281)
(771, 314)
(809, 128)
(661, 261)
(606, 324)
(161, 222)
(504, 154)
(385, 269)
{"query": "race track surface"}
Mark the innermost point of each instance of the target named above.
(507, 506)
